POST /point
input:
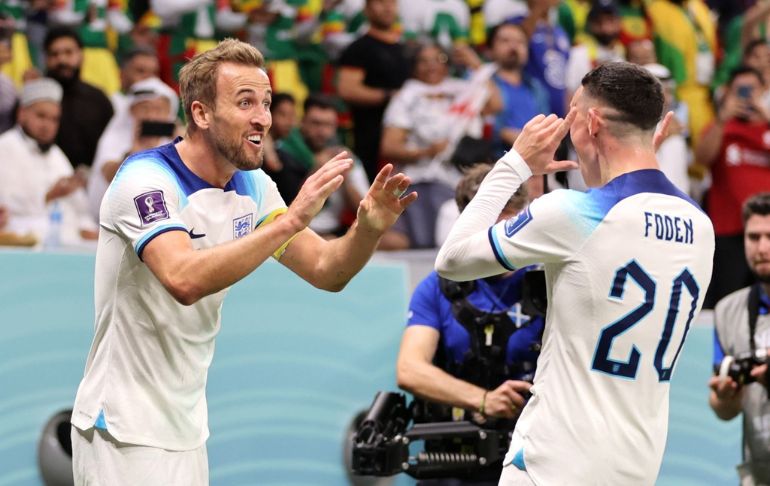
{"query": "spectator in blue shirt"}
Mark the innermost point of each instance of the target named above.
(549, 48)
(523, 96)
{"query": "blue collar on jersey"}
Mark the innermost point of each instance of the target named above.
(636, 182)
(241, 183)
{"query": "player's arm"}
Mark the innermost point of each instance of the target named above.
(416, 373)
(189, 274)
(467, 253)
(330, 264)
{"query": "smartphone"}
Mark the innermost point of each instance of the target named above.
(157, 129)
(745, 91)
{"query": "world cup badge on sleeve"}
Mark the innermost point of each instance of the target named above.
(151, 207)
(513, 225)
(242, 226)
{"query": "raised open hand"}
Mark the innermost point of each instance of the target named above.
(383, 203)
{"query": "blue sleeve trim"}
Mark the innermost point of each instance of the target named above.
(262, 220)
(501, 259)
(158, 231)
(100, 422)
(719, 353)
(518, 460)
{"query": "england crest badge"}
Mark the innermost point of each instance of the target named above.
(242, 226)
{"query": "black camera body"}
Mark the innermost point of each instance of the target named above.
(452, 449)
(150, 128)
(739, 367)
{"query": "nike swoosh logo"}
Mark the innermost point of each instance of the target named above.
(195, 235)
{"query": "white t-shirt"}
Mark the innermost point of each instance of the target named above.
(442, 20)
(26, 176)
(627, 267)
(583, 58)
(423, 110)
(497, 11)
(147, 368)
(674, 158)
(116, 141)
(446, 217)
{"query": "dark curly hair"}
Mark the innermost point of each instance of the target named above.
(631, 90)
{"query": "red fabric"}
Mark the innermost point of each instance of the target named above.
(741, 170)
(164, 59)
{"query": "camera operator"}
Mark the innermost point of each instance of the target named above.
(475, 368)
(742, 325)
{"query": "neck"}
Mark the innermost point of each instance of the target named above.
(618, 157)
(390, 36)
(200, 156)
(512, 76)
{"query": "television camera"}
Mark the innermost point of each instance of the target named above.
(474, 448)
(381, 446)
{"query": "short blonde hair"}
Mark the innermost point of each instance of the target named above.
(198, 78)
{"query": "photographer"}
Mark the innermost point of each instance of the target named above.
(474, 366)
(742, 325)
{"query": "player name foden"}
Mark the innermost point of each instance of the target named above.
(668, 228)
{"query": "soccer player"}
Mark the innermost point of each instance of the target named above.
(627, 265)
(179, 225)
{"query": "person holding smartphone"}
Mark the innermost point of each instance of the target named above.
(148, 122)
(736, 146)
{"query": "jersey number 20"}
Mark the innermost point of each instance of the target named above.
(603, 362)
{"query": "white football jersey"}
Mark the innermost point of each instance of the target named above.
(627, 268)
(145, 377)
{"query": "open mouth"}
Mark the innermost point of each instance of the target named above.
(255, 139)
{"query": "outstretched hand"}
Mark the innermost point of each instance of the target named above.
(318, 187)
(539, 139)
(383, 203)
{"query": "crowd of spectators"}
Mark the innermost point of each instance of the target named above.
(431, 85)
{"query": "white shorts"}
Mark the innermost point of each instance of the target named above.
(513, 476)
(98, 459)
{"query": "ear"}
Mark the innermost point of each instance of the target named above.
(201, 115)
(594, 122)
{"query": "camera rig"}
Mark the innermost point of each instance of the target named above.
(381, 445)
(386, 440)
(739, 367)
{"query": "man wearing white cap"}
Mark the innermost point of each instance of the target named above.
(149, 100)
(34, 172)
